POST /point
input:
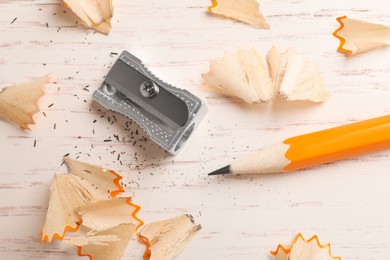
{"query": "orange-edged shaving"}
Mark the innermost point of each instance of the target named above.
(105, 244)
(341, 39)
(86, 197)
(58, 236)
(147, 252)
(214, 4)
(246, 11)
(107, 214)
(302, 249)
(358, 36)
(112, 224)
(120, 189)
(84, 184)
(167, 238)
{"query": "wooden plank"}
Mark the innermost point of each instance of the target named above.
(344, 203)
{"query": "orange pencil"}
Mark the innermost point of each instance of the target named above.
(315, 148)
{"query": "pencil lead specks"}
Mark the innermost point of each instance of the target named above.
(86, 88)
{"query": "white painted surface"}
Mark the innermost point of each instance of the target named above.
(345, 203)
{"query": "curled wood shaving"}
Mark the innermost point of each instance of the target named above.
(101, 183)
(246, 11)
(357, 36)
(108, 214)
(84, 184)
(94, 13)
(86, 197)
(294, 77)
(106, 244)
(167, 238)
(91, 238)
(19, 103)
(302, 249)
(244, 75)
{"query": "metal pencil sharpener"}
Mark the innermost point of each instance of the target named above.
(169, 115)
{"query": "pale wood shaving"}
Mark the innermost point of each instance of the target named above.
(168, 237)
(294, 77)
(91, 239)
(65, 197)
(107, 214)
(94, 13)
(101, 183)
(244, 75)
(19, 103)
(303, 249)
(106, 244)
(84, 184)
(246, 11)
(358, 36)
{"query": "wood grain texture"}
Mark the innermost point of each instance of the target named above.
(345, 203)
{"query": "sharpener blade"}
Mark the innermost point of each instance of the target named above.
(168, 114)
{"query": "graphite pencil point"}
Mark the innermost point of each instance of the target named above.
(223, 170)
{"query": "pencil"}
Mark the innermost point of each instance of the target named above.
(315, 148)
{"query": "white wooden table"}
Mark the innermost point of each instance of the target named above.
(345, 203)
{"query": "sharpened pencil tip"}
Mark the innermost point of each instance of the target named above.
(224, 170)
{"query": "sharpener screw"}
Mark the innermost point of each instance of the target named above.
(149, 89)
(109, 89)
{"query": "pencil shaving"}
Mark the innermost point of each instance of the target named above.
(102, 184)
(106, 244)
(96, 14)
(91, 238)
(61, 216)
(107, 214)
(167, 238)
(246, 11)
(302, 249)
(19, 103)
(84, 184)
(294, 77)
(358, 36)
(244, 75)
